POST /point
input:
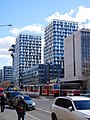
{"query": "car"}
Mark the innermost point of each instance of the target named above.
(1, 93)
(87, 94)
(71, 108)
(30, 104)
(10, 95)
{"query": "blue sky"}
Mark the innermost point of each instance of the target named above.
(33, 15)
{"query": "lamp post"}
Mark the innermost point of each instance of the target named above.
(5, 25)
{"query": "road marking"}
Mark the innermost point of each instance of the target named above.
(32, 116)
(36, 117)
(43, 110)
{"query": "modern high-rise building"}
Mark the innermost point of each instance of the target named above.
(27, 53)
(55, 32)
(0, 75)
(7, 74)
(77, 58)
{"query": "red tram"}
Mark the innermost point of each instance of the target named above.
(45, 89)
(54, 89)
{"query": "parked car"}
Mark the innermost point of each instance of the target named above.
(10, 95)
(30, 104)
(87, 94)
(1, 93)
(71, 108)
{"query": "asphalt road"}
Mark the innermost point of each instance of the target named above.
(42, 111)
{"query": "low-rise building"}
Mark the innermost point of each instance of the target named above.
(8, 73)
(0, 75)
(41, 74)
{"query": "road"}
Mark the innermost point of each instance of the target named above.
(42, 111)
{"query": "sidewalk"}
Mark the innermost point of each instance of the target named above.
(1, 116)
(11, 115)
(8, 114)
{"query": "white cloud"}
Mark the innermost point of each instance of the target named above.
(57, 15)
(3, 52)
(6, 42)
(35, 28)
(15, 31)
(81, 15)
(5, 61)
(5, 56)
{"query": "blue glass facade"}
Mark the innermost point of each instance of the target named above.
(41, 74)
(8, 73)
(27, 53)
(55, 32)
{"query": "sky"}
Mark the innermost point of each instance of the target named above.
(31, 16)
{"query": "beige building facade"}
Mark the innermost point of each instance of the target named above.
(77, 56)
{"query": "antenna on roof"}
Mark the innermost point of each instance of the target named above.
(83, 25)
(87, 23)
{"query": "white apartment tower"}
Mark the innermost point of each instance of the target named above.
(27, 53)
(55, 32)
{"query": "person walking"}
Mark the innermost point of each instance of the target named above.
(21, 108)
(2, 103)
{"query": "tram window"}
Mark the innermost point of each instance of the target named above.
(56, 87)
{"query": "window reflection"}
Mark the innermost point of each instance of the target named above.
(85, 46)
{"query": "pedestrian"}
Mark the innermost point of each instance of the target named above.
(21, 108)
(2, 103)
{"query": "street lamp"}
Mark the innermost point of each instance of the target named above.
(5, 25)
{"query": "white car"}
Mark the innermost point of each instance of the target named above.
(71, 108)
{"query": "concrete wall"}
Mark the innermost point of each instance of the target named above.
(72, 52)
